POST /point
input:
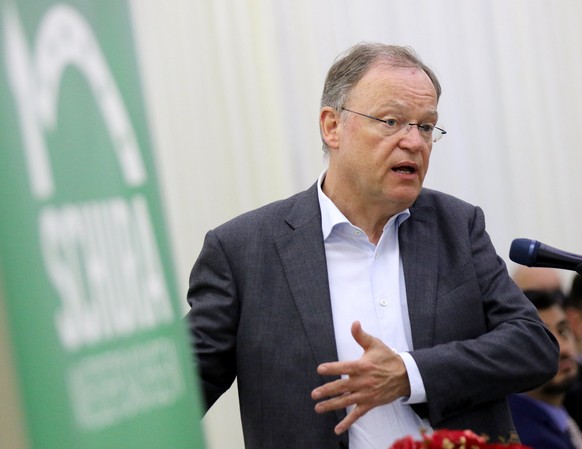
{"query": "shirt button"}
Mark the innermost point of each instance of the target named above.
(357, 233)
(383, 302)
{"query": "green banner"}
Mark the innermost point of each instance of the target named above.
(95, 329)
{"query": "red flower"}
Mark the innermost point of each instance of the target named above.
(444, 439)
(406, 443)
(452, 439)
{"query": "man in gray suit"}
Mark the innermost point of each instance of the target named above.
(365, 308)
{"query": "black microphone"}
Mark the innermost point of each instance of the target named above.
(536, 254)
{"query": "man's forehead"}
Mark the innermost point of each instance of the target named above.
(383, 70)
(398, 105)
(395, 98)
(553, 315)
(382, 77)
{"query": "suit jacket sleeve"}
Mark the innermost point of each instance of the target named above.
(212, 296)
(260, 312)
(479, 338)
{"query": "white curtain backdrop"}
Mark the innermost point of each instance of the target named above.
(232, 90)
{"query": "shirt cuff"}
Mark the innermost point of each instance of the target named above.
(417, 391)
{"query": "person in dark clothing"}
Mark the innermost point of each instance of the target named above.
(539, 415)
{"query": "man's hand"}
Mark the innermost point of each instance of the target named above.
(378, 377)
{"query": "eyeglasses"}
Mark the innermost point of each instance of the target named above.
(430, 133)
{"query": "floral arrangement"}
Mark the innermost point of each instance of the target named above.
(452, 439)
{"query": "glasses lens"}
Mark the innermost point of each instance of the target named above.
(437, 134)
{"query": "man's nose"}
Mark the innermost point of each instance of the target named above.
(412, 138)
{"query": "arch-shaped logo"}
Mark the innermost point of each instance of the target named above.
(64, 38)
(85, 263)
(101, 256)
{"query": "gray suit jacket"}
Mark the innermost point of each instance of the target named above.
(260, 311)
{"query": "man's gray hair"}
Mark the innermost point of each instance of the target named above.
(351, 66)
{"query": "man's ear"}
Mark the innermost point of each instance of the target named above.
(329, 124)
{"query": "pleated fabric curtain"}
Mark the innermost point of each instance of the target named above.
(232, 92)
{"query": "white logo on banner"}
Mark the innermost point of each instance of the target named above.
(100, 255)
(64, 38)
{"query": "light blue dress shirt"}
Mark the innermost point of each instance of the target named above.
(366, 283)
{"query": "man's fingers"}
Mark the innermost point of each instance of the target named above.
(334, 388)
(364, 339)
(336, 403)
(366, 382)
(351, 418)
(334, 368)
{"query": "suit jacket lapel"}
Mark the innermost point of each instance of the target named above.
(302, 253)
(419, 252)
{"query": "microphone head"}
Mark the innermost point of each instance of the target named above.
(524, 251)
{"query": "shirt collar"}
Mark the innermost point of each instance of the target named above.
(332, 216)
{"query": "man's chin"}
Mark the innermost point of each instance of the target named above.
(404, 196)
(559, 386)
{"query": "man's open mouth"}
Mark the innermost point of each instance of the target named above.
(405, 169)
